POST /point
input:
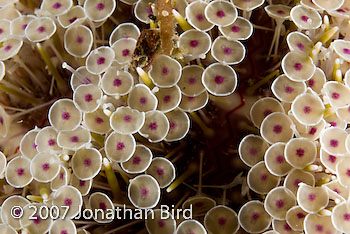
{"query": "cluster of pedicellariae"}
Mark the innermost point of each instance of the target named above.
(119, 94)
(299, 164)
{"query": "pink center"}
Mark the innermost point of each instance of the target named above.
(127, 118)
(61, 176)
(346, 51)
(167, 98)
(312, 196)
(161, 223)
(235, 28)
(88, 97)
(45, 166)
(301, 46)
(297, 182)
(144, 192)
(313, 131)
(347, 216)
(280, 12)
(263, 177)
(36, 219)
(153, 126)
(80, 39)
(333, 143)
(125, 52)
(41, 29)
(20, 171)
(311, 82)
(221, 221)
(117, 82)
(227, 50)
(333, 124)
(220, 14)
(136, 160)
(24, 26)
(277, 129)
(192, 80)
(57, 5)
(99, 120)
(280, 203)
(1, 30)
(101, 60)
(332, 158)
(34, 146)
(219, 79)
(165, 71)
(298, 66)
(87, 162)
(287, 228)
(68, 202)
(194, 43)
(120, 146)
(64, 232)
(51, 142)
(1, 120)
(253, 151)
(319, 228)
(65, 115)
(149, 10)
(300, 215)
(255, 216)
(348, 172)
(102, 206)
(304, 18)
(82, 183)
(74, 139)
(279, 159)
(73, 19)
(143, 100)
(336, 190)
(267, 112)
(307, 109)
(160, 171)
(288, 89)
(8, 48)
(300, 152)
(200, 17)
(100, 6)
(335, 95)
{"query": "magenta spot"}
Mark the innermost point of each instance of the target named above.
(255, 216)
(136, 160)
(88, 97)
(102, 206)
(346, 51)
(51, 142)
(288, 89)
(167, 98)
(18, 212)
(219, 79)
(287, 228)
(87, 162)
(172, 124)
(1, 30)
(1, 120)
(20, 171)
(101, 60)
(68, 202)
(297, 182)
(313, 131)
(333, 124)
(347, 216)
(220, 14)
(165, 71)
(61, 176)
(333, 143)
(300, 152)
(190, 99)
(200, 17)
(335, 95)
(307, 109)
(153, 126)
(127, 118)
(24, 26)
(263, 177)
(277, 129)
(125, 52)
(149, 10)
(332, 158)
(301, 46)
(99, 120)
(319, 228)
(143, 100)
(41, 29)
(348, 172)
(279, 159)
(192, 80)
(235, 29)
(341, 11)
(298, 66)
(120, 146)
(65, 116)
(72, 20)
(222, 221)
(279, 203)
(161, 223)
(34, 145)
(336, 190)
(64, 232)
(117, 82)
(80, 39)
(36, 219)
(82, 183)
(194, 43)
(8, 48)
(144, 192)
(312, 196)
(311, 82)
(280, 12)
(227, 51)
(300, 215)
(87, 80)
(74, 139)
(100, 6)
(45, 166)
(160, 171)
(304, 18)
(253, 151)
(57, 5)
(267, 112)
